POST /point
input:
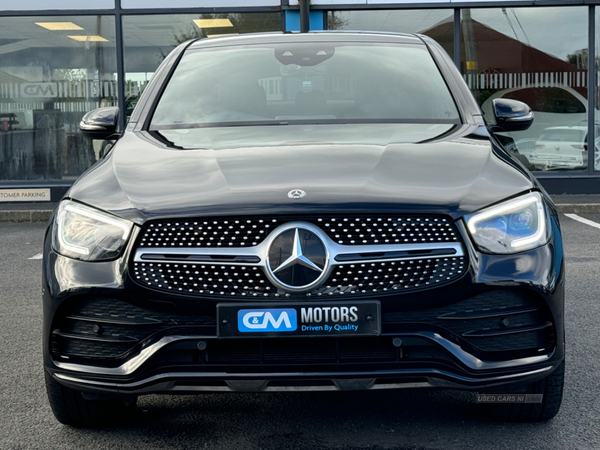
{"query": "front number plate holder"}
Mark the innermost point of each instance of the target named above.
(302, 319)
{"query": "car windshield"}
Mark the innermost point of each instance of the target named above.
(305, 83)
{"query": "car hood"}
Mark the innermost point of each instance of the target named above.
(444, 169)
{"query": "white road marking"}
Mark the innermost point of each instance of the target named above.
(38, 256)
(591, 223)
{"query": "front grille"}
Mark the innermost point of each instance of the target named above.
(345, 230)
(250, 281)
(377, 254)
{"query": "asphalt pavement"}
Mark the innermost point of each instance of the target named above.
(403, 419)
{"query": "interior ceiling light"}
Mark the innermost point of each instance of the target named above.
(58, 25)
(213, 23)
(88, 38)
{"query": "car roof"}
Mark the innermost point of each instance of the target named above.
(313, 36)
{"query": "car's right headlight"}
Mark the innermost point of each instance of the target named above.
(85, 233)
(514, 226)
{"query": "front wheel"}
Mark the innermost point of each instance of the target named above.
(551, 389)
(71, 408)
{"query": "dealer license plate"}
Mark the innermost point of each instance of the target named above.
(359, 318)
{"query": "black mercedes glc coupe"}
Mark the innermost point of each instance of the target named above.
(316, 211)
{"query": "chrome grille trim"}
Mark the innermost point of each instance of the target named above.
(352, 269)
(176, 255)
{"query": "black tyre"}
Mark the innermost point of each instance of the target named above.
(71, 408)
(552, 389)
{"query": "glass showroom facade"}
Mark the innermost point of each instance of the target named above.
(57, 64)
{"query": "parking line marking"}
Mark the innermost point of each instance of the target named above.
(591, 223)
(38, 256)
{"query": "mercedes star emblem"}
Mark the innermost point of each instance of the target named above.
(296, 193)
(298, 258)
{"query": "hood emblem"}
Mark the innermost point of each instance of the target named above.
(298, 258)
(296, 193)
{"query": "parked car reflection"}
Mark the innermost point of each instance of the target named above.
(560, 148)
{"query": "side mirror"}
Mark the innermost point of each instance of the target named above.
(100, 123)
(511, 115)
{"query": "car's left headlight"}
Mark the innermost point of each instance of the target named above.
(85, 233)
(514, 226)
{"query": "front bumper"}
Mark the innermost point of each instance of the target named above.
(458, 369)
(415, 349)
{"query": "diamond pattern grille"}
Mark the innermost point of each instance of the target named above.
(345, 230)
(356, 279)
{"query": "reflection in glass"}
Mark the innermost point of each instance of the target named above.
(52, 71)
(597, 102)
(538, 56)
(149, 39)
(435, 23)
(321, 81)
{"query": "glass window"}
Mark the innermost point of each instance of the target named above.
(57, 4)
(52, 71)
(438, 24)
(322, 81)
(141, 4)
(538, 56)
(597, 110)
(148, 39)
